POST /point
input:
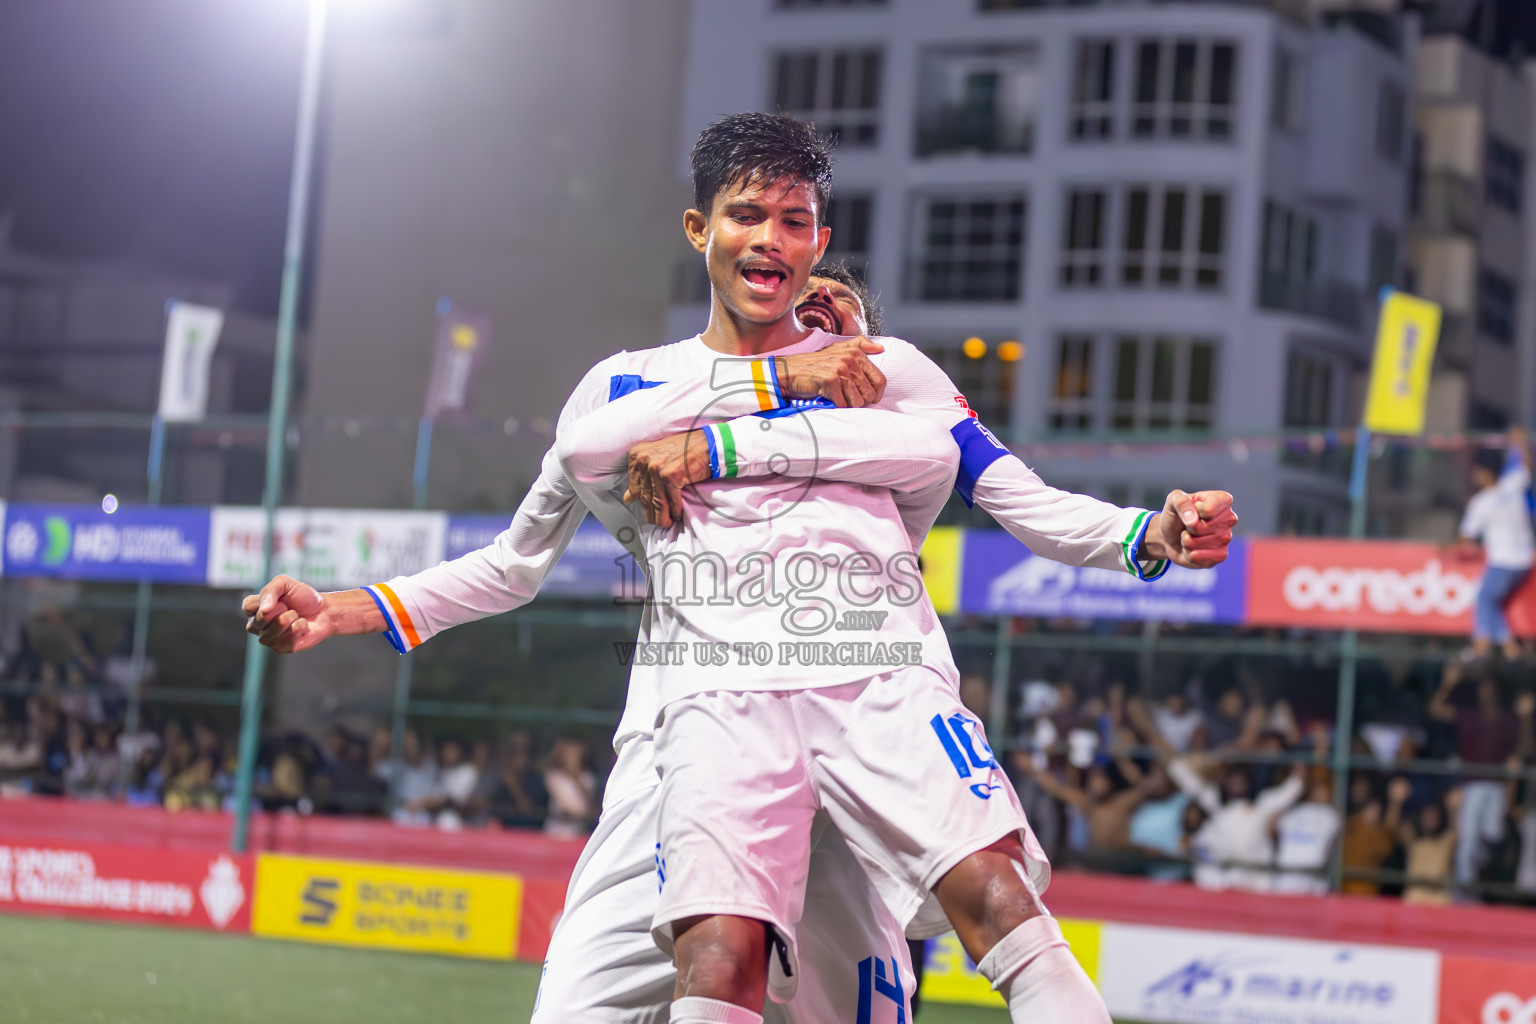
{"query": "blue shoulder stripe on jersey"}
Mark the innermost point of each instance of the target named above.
(621, 384)
(978, 450)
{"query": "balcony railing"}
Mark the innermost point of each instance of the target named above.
(958, 129)
(1330, 300)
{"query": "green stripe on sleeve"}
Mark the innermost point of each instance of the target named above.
(727, 451)
(1126, 545)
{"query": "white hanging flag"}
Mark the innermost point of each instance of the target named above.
(191, 332)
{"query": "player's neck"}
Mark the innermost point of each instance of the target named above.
(731, 335)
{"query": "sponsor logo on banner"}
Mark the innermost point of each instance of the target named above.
(1174, 975)
(949, 974)
(1001, 577)
(167, 545)
(347, 903)
(127, 883)
(1478, 991)
(1383, 586)
(593, 565)
(325, 547)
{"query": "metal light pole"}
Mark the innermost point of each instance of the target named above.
(282, 385)
(1349, 646)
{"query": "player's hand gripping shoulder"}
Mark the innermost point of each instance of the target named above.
(840, 373)
(289, 616)
(1192, 530)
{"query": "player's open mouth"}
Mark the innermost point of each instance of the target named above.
(815, 313)
(764, 280)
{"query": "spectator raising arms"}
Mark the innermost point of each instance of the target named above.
(1499, 519)
(1235, 848)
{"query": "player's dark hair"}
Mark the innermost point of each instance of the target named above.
(842, 273)
(757, 149)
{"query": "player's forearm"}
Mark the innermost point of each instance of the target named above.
(872, 447)
(1072, 528)
(595, 449)
(353, 613)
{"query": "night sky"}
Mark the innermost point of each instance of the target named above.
(160, 131)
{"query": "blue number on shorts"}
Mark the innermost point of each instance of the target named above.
(873, 982)
(963, 732)
(661, 869)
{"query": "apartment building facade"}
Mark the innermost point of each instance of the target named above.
(1127, 220)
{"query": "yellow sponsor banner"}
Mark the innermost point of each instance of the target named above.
(387, 906)
(950, 976)
(1405, 349)
(941, 567)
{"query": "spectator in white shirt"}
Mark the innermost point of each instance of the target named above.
(1235, 848)
(1499, 518)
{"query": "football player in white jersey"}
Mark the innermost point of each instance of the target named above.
(619, 974)
(790, 526)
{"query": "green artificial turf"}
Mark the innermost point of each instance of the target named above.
(77, 972)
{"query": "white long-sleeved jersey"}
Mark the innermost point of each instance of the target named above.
(505, 575)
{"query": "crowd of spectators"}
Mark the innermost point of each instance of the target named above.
(70, 742)
(1220, 782)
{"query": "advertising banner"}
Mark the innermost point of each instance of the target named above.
(1477, 991)
(349, 903)
(594, 565)
(329, 548)
(999, 576)
(1368, 585)
(83, 542)
(950, 975)
(127, 883)
(1173, 975)
(1405, 350)
(191, 332)
(462, 335)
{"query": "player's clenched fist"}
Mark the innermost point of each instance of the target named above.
(840, 373)
(287, 615)
(1193, 530)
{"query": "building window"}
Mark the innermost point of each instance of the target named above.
(986, 378)
(1183, 89)
(977, 100)
(1163, 383)
(968, 249)
(1391, 107)
(1072, 389)
(1496, 306)
(1383, 269)
(1309, 390)
(1289, 259)
(1082, 247)
(838, 90)
(1093, 90)
(1285, 93)
(1504, 175)
(1173, 238)
(1483, 416)
(1306, 516)
(850, 215)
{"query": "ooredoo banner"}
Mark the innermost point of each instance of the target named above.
(1181, 976)
(1477, 991)
(127, 883)
(1378, 586)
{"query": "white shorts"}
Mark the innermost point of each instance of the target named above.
(603, 966)
(897, 763)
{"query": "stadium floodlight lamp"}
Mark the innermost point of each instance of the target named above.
(974, 348)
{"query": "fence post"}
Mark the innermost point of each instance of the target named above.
(1344, 724)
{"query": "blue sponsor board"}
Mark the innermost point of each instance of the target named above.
(999, 576)
(81, 542)
(594, 565)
